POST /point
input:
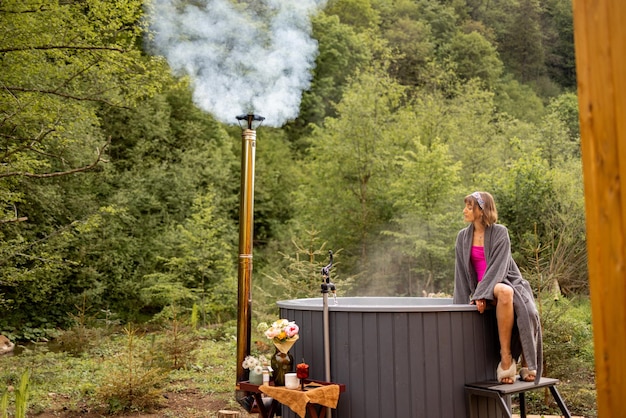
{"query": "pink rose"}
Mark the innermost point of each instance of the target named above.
(291, 330)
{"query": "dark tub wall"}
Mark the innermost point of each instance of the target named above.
(398, 364)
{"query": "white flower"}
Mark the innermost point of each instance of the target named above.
(252, 363)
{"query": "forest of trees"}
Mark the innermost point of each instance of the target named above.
(119, 193)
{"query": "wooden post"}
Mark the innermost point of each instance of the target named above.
(600, 42)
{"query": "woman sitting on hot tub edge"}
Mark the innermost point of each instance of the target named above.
(485, 273)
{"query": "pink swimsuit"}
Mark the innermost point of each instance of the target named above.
(478, 261)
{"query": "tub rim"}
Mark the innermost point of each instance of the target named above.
(384, 304)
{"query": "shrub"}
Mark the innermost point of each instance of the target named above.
(176, 349)
(568, 355)
(130, 384)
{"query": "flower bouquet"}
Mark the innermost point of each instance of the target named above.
(283, 334)
(255, 365)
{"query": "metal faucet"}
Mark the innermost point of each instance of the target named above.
(327, 286)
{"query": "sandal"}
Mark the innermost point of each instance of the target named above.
(504, 374)
(525, 373)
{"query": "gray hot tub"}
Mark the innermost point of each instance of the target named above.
(397, 356)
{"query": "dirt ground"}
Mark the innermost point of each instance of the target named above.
(190, 403)
(186, 404)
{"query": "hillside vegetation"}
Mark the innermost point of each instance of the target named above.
(120, 196)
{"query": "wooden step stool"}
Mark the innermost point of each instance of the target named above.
(498, 391)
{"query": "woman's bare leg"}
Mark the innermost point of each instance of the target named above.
(505, 315)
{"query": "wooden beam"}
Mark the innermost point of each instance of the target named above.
(226, 414)
(600, 42)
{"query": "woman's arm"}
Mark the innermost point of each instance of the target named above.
(462, 290)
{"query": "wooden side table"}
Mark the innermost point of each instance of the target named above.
(268, 409)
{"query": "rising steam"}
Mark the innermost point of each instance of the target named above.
(252, 56)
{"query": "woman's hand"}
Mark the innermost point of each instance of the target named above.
(481, 304)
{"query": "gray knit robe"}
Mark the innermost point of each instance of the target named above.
(501, 268)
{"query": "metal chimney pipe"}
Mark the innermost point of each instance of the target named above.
(246, 224)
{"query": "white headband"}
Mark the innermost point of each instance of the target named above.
(479, 199)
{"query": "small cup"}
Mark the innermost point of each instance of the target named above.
(291, 381)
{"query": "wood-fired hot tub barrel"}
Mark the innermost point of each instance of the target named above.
(397, 356)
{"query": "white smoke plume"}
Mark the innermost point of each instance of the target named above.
(252, 56)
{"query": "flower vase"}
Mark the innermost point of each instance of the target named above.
(256, 378)
(282, 363)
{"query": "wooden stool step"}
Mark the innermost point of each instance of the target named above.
(498, 391)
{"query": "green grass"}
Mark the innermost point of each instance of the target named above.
(76, 378)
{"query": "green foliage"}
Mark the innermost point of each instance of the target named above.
(75, 380)
(568, 351)
(297, 273)
(468, 124)
(568, 224)
(176, 349)
(343, 192)
(558, 33)
(22, 393)
(82, 335)
(441, 18)
(342, 51)
(565, 108)
(558, 263)
(130, 383)
(475, 57)
(356, 13)
(59, 380)
(556, 146)
(412, 105)
(518, 100)
(60, 62)
(4, 405)
(414, 45)
(200, 266)
(523, 194)
(275, 181)
(543, 209)
(111, 226)
(194, 320)
(425, 218)
(521, 44)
